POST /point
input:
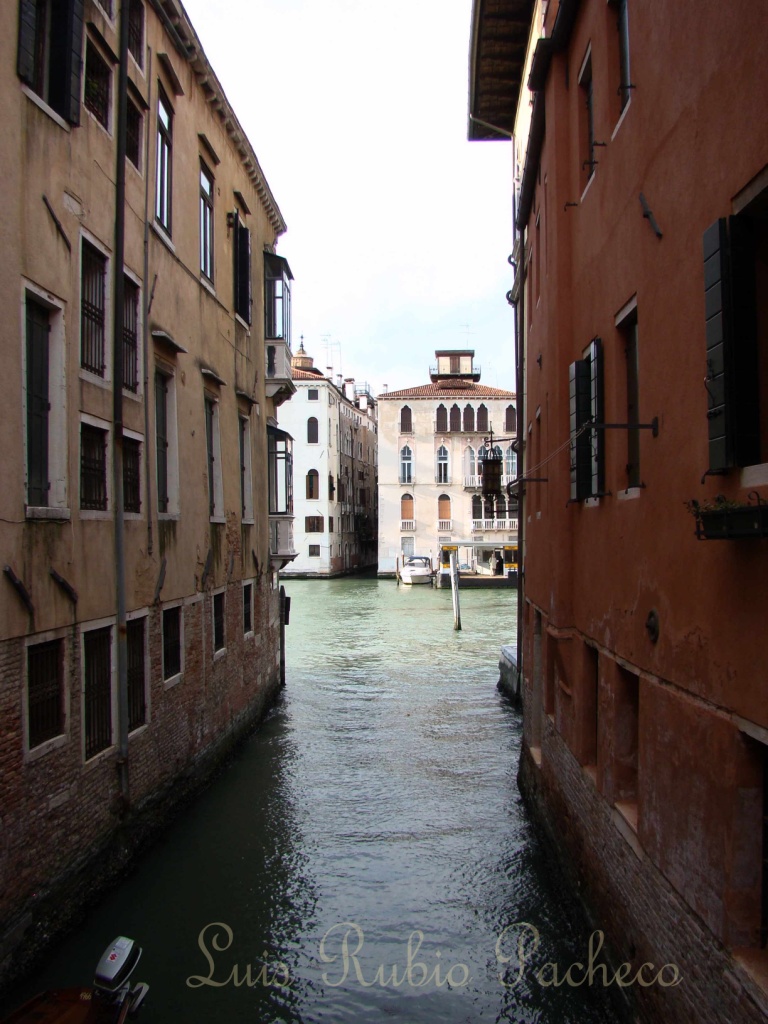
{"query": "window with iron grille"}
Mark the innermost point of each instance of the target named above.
(132, 474)
(133, 124)
(137, 699)
(164, 162)
(97, 694)
(45, 692)
(161, 440)
(98, 80)
(218, 621)
(38, 402)
(131, 336)
(93, 310)
(313, 524)
(136, 31)
(93, 468)
(247, 607)
(210, 427)
(171, 642)
(206, 222)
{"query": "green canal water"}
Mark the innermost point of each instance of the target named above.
(366, 856)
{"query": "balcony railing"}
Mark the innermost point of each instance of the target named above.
(445, 525)
(281, 536)
(476, 479)
(278, 369)
(407, 524)
(488, 525)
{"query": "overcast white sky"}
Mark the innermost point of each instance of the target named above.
(398, 227)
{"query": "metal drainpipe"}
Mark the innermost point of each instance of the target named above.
(146, 305)
(117, 413)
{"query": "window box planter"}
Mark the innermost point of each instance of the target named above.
(724, 520)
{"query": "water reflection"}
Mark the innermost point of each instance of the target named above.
(368, 842)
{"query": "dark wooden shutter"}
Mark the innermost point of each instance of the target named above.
(597, 414)
(25, 58)
(745, 392)
(242, 270)
(161, 435)
(580, 409)
(718, 331)
(38, 404)
(66, 58)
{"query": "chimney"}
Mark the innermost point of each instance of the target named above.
(349, 388)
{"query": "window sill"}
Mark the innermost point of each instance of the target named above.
(40, 102)
(47, 512)
(755, 476)
(247, 522)
(587, 186)
(102, 755)
(139, 729)
(250, 635)
(172, 681)
(623, 114)
(133, 517)
(239, 320)
(591, 503)
(46, 747)
(629, 493)
(590, 772)
(624, 815)
(163, 235)
(96, 514)
(221, 653)
(219, 520)
(94, 378)
(752, 970)
(168, 517)
(96, 121)
(134, 396)
(535, 753)
(208, 285)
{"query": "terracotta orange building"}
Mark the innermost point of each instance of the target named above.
(641, 296)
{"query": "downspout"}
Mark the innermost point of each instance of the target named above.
(117, 414)
(147, 305)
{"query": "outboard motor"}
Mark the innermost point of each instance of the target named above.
(117, 964)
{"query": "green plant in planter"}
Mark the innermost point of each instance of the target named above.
(723, 519)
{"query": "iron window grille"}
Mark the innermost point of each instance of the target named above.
(45, 703)
(218, 621)
(38, 402)
(209, 429)
(137, 706)
(171, 642)
(97, 698)
(131, 336)
(133, 134)
(136, 31)
(93, 310)
(247, 613)
(131, 474)
(93, 468)
(243, 440)
(161, 440)
(164, 163)
(98, 79)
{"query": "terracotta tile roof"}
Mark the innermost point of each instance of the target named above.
(298, 374)
(449, 389)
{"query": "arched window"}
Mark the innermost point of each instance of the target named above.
(477, 506)
(455, 418)
(406, 506)
(312, 430)
(501, 507)
(482, 418)
(497, 452)
(510, 419)
(406, 420)
(469, 419)
(313, 484)
(510, 462)
(442, 465)
(441, 419)
(469, 461)
(488, 503)
(406, 465)
(444, 507)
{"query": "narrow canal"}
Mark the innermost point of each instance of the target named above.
(366, 856)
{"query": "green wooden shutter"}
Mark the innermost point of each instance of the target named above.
(25, 57)
(38, 404)
(244, 272)
(597, 414)
(579, 395)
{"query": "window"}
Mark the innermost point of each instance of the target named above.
(49, 56)
(406, 465)
(441, 419)
(213, 455)
(312, 430)
(172, 623)
(455, 362)
(469, 419)
(131, 474)
(93, 468)
(587, 123)
(133, 134)
(97, 690)
(313, 524)
(586, 408)
(477, 506)
(510, 462)
(137, 690)
(93, 310)
(408, 545)
(136, 31)
(482, 419)
(625, 83)
(241, 246)
(444, 509)
(330, 524)
(406, 507)
(106, 6)
(277, 298)
(313, 484)
(280, 470)
(469, 461)
(131, 336)
(442, 465)
(38, 402)
(247, 608)
(206, 222)
(331, 487)
(45, 692)
(218, 621)
(246, 474)
(166, 443)
(98, 81)
(313, 395)
(628, 331)
(406, 420)
(455, 418)
(314, 550)
(510, 419)
(163, 180)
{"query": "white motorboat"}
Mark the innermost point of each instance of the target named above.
(416, 569)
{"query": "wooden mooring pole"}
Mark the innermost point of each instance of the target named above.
(455, 591)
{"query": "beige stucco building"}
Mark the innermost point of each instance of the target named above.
(432, 443)
(205, 362)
